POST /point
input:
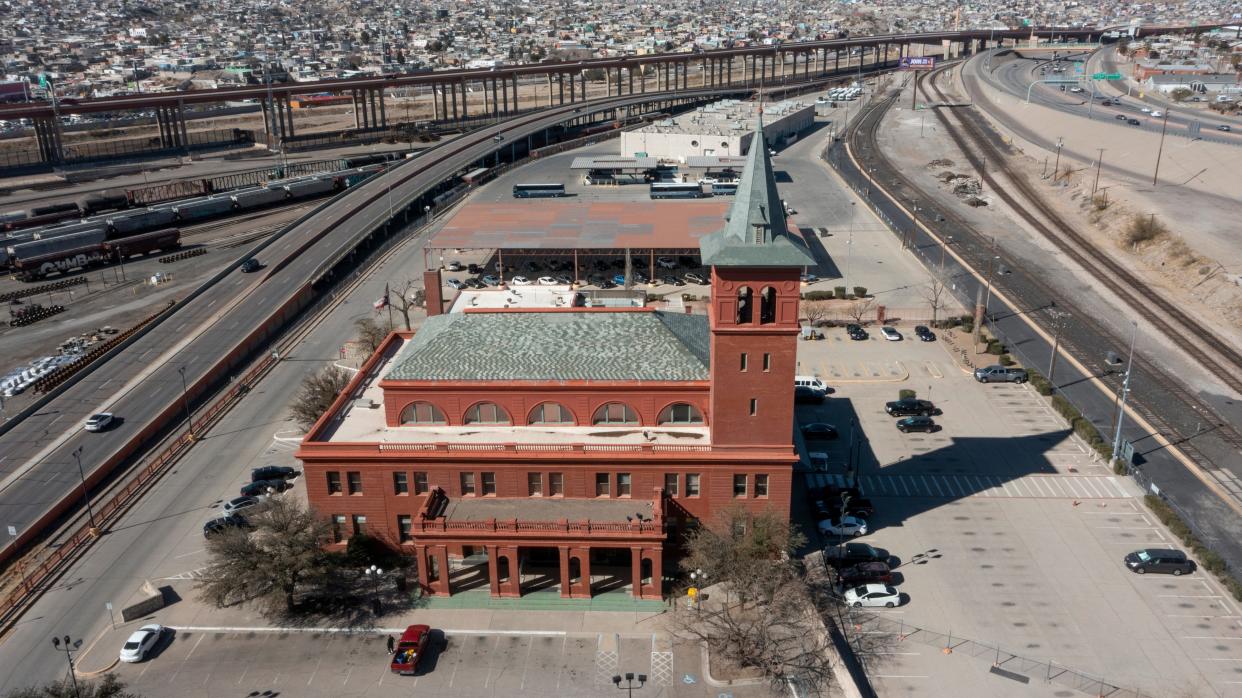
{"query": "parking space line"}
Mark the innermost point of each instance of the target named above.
(1055, 483)
(936, 482)
(526, 665)
(1072, 486)
(964, 489)
(902, 479)
(1189, 596)
(1039, 483)
(1088, 484)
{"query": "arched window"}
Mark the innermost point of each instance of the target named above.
(743, 305)
(680, 413)
(552, 413)
(615, 413)
(422, 413)
(487, 413)
(767, 305)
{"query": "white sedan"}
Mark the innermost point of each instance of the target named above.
(99, 422)
(141, 642)
(547, 281)
(844, 526)
(891, 334)
(873, 595)
(520, 281)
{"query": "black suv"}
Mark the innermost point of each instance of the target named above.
(851, 554)
(259, 487)
(855, 332)
(251, 265)
(224, 523)
(910, 406)
(924, 334)
(1172, 562)
(272, 472)
(808, 395)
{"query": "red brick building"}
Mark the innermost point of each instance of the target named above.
(526, 448)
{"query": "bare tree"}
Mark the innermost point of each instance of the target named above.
(371, 334)
(860, 309)
(933, 293)
(814, 312)
(765, 615)
(109, 686)
(319, 391)
(270, 565)
(405, 297)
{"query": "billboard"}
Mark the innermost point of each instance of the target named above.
(917, 63)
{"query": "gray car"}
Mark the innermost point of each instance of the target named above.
(1000, 374)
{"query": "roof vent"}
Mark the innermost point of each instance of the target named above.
(366, 403)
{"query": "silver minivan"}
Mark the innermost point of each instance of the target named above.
(1000, 374)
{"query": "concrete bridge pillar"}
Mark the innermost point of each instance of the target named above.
(516, 104)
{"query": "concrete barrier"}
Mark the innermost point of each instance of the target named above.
(152, 600)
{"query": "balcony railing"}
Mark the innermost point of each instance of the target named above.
(646, 527)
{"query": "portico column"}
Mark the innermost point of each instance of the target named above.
(513, 587)
(441, 585)
(636, 571)
(420, 564)
(492, 571)
(656, 589)
(582, 590)
(565, 590)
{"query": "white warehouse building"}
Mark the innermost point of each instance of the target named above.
(721, 129)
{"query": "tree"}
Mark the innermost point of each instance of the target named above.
(933, 292)
(405, 297)
(860, 309)
(109, 686)
(319, 391)
(770, 617)
(272, 564)
(1181, 94)
(371, 334)
(814, 311)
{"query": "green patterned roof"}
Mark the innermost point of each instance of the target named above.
(588, 345)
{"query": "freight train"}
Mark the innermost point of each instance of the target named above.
(34, 253)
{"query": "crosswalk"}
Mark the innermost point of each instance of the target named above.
(958, 486)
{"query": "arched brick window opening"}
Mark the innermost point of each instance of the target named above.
(422, 413)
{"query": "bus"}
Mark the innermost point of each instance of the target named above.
(724, 188)
(674, 190)
(529, 191)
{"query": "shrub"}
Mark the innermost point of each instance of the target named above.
(687, 297)
(817, 296)
(968, 326)
(860, 291)
(840, 291)
(1144, 228)
(995, 347)
(906, 393)
(1039, 383)
(1006, 360)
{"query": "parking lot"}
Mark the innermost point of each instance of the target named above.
(1006, 531)
(216, 662)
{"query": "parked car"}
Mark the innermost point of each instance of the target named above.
(859, 508)
(693, 278)
(818, 431)
(807, 395)
(238, 504)
(546, 281)
(910, 424)
(141, 642)
(221, 524)
(910, 406)
(865, 573)
(891, 334)
(520, 281)
(840, 556)
(491, 280)
(873, 595)
(272, 472)
(843, 526)
(475, 283)
(666, 263)
(1172, 562)
(924, 333)
(1000, 374)
(670, 280)
(474, 268)
(262, 486)
(410, 649)
(453, 266)
(856, 333)
(457, 284)
(99, 422)
(809, 278)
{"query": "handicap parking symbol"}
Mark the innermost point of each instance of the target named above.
(688, 679)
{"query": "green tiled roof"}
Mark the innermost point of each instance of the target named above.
(755, 234)
(603, 346)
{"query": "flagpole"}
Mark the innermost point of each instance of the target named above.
(388, 302)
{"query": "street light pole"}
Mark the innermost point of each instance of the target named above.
(86, 497)
(66, 645)
(944, 244)
(185, 401)
(1125, 391)
(1099, 163)
(373, 573)
(629, 682)
(1155, 175)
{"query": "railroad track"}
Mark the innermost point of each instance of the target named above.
(200, 229)
(1049, 306)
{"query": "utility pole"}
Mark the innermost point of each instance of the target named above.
(1052, 362)
(1124, 392)
(1099, 163)
(1160, 151)
(1056, 168)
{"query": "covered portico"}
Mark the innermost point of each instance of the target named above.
(566, 531)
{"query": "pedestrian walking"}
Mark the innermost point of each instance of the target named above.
(391, 642)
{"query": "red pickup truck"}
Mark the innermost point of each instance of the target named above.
(410, 649)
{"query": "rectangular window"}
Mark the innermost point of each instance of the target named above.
(360, 525)
(467, 484)
(692, 485)
(754, 407)
(400, 483)
(670, 484)
(601, 484)
(767, 361)
(761, 485)
(334, 483)
(355, 482)
(489, 484)
(556, 484)
(420, 483)
(739, 485)
(338, 528)
(623, 484)
(743, 361)
(534, 484)
(403, 528)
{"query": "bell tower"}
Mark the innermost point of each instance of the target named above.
(756, 266)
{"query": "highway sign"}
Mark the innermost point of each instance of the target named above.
(1127, 452)
(917, 62)
(1106, 76)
